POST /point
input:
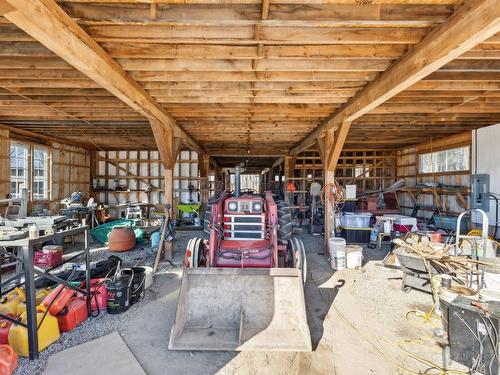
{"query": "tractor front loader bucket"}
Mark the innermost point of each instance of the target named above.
(241, 309)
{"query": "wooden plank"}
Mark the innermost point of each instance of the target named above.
(48, 23)
(473, 23)
(4, 163)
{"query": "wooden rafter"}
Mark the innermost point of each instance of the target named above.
(473, 23)
(45, 21)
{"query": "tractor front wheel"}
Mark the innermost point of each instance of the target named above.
(195, 256)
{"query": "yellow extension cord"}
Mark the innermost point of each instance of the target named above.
(432, 366)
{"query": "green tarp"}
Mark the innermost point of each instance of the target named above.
(102, 232)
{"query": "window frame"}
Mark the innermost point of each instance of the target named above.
(445, 150)
(46, 177)
(26, 168)
(30, 170)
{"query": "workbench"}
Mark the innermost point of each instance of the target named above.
(27, 272)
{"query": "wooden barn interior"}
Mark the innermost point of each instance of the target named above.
(152, 111)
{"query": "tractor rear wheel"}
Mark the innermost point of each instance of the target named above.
(285, 221)
(206, 218)
(297, 256)
(195, 256)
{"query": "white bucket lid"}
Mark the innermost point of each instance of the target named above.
(354, 249)
(338, 240)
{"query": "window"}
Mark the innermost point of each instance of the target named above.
(23, 165)
(40, 173)
(18, 169)
(452, 160)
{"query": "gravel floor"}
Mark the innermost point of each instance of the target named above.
(106, 323)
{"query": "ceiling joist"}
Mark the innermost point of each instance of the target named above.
(473, 23)
(45, 21)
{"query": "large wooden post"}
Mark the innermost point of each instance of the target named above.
(204, 168)
(168, 148)
(329, 175)
(219, 180)
(227, 180)
(169, 199)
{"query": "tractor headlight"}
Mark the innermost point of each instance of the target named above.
(232, 206)
(257, 207)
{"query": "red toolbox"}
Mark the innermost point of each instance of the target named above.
(61, 296)
(99, 294)
(48, 260)
(72, 315)
(4, 330)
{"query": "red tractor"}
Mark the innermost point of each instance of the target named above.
(244, 285)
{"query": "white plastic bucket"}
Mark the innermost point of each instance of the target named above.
(354, 256)
(339, 259)
(336, 245)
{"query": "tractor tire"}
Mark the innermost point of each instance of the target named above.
(194, 253)
(285, 221)
(297, 257)
(206, 219)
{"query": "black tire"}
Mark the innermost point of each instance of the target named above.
(297, 257)
(285, 221)
(206, 219)
(194, 252)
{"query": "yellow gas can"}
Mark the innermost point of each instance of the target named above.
(40, 295)
(48, 333)
(9, 304)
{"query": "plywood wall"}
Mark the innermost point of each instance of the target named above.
(4, 163)
(70, 172)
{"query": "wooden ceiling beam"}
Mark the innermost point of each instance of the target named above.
(471, 24)
(45, 21)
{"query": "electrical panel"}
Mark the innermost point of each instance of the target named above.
(480, 191)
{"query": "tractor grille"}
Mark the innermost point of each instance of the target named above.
(244, 227)
(247, 219)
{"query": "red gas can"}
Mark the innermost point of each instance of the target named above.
(8, 360)
(98, 292)
(72, 315)
(4, 330)
(61, 297)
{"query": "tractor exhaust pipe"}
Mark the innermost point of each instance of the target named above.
(237, 181)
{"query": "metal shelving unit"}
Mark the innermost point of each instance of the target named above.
(27, 273)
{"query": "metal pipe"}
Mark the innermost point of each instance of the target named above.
(237, 181)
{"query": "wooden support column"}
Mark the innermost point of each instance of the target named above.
(227, 180)
(4, 164)
(219, 180)
(329, 173)
(204, 167)
(169, 199)
(168, 148)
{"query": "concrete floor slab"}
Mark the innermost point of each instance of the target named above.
(106, 355)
